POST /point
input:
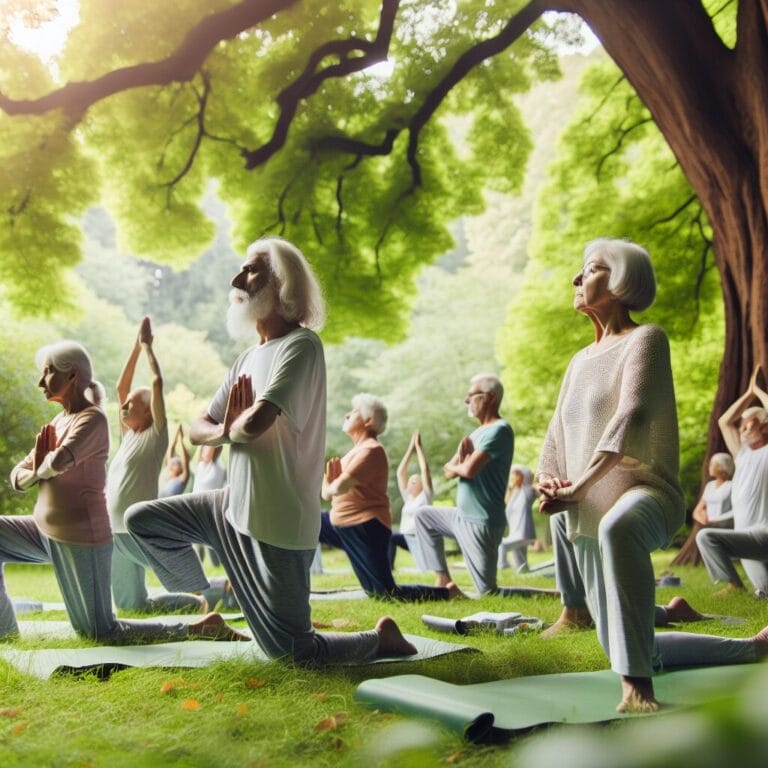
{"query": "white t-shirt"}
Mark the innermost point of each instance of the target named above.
(209, 476)
(275, 480)
(749, 493)
(717, 499)
(408, 515)
(134, 471)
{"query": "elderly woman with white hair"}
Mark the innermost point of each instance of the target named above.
(70, 526)
(712, 509)
(610, 459)
(360, 521)
(519, 511)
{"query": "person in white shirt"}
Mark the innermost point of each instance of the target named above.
(745, 431)
(133, 476)
(265, 525)
(416, 490)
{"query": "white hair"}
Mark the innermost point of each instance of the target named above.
(373, 408)
(725, 462)
(759, 413)
(301, 300)
(67, 355)
(632, 280)
(489, 382)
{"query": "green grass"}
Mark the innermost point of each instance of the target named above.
(268, 715)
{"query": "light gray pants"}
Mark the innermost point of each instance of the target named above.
(718, 546)
(618, 576)
(567, 576)
(271, 584)
(129, 587)
(518, 548)
(479, 544)
(83, 574)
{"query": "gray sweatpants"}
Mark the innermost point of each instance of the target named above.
(519, 550)
(129, 588)
(83, 574)
(718, 547)
(271, 584)
(618, 576)
(479, 544)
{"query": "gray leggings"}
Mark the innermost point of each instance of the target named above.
(718, 546)
(271, 584)
(83, 574)
(129, 587)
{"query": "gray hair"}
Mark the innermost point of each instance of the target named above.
(301, 300)
(725, 462)
(489, 382)
(759, 413)
(524, 471)
(632, 280)
(373, 408)
(67, 355)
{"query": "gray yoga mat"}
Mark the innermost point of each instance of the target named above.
(499, 709)
(191, 653)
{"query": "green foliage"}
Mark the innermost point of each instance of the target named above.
(366, 225)
(614, 176)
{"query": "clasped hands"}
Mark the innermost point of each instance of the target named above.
(556, 494)
(45, 442)
(240, 400)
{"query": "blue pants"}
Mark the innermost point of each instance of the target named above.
(367, 547)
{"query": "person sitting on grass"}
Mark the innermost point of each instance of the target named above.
(133, 476)
(416, 491)
(264, 525)
(746, 434)
(360, 522)
(70, 523)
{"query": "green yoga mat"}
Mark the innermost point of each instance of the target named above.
(487, 711)
(191, 653)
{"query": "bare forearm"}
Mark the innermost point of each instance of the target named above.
(126, 376)
(253, 422)
(206, 431)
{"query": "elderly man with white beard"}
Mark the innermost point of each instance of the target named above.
(264, 527)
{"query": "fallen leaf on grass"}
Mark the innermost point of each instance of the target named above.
(169, 686)
(453, 758)
(242, 709)
(322, 696)
(333, 722)
(190, 704)
(254, 682)
(20, 727)
(10, 712)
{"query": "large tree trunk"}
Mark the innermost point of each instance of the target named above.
(711, 105)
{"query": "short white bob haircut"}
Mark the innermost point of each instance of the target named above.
(301, 300)
(373, 408)
(725, 462)
(759, 413)
(632, 280)
(66, 356)
(489, 382)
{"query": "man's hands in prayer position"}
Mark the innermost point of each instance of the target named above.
(239, 401)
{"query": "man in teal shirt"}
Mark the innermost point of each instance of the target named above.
(482, 464)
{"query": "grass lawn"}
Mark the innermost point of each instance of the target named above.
(234, 714)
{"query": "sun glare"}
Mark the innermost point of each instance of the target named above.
(46, 39)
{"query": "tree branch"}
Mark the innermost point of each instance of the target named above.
(365, 55)
(181, 66)
(624, 132)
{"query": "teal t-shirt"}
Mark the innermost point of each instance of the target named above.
(481, 498)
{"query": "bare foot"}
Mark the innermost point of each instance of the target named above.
(213, 627)
(203, 604)
(678, 609)
(761, 644)
(454, 593)
(571, 620)
(442, 578)
(729, 589)
(637, 695)
(391, 640)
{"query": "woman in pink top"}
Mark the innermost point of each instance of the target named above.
(70, 526)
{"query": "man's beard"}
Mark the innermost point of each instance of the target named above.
(245, 311)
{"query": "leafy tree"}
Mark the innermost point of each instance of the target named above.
(276, 100)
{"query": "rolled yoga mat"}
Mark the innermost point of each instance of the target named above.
(498, 709)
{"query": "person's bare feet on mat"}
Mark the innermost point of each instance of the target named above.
(761, 644)
(391, 640)
(678, 609)
(637, 695)
(454, 593)
(213, 627)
